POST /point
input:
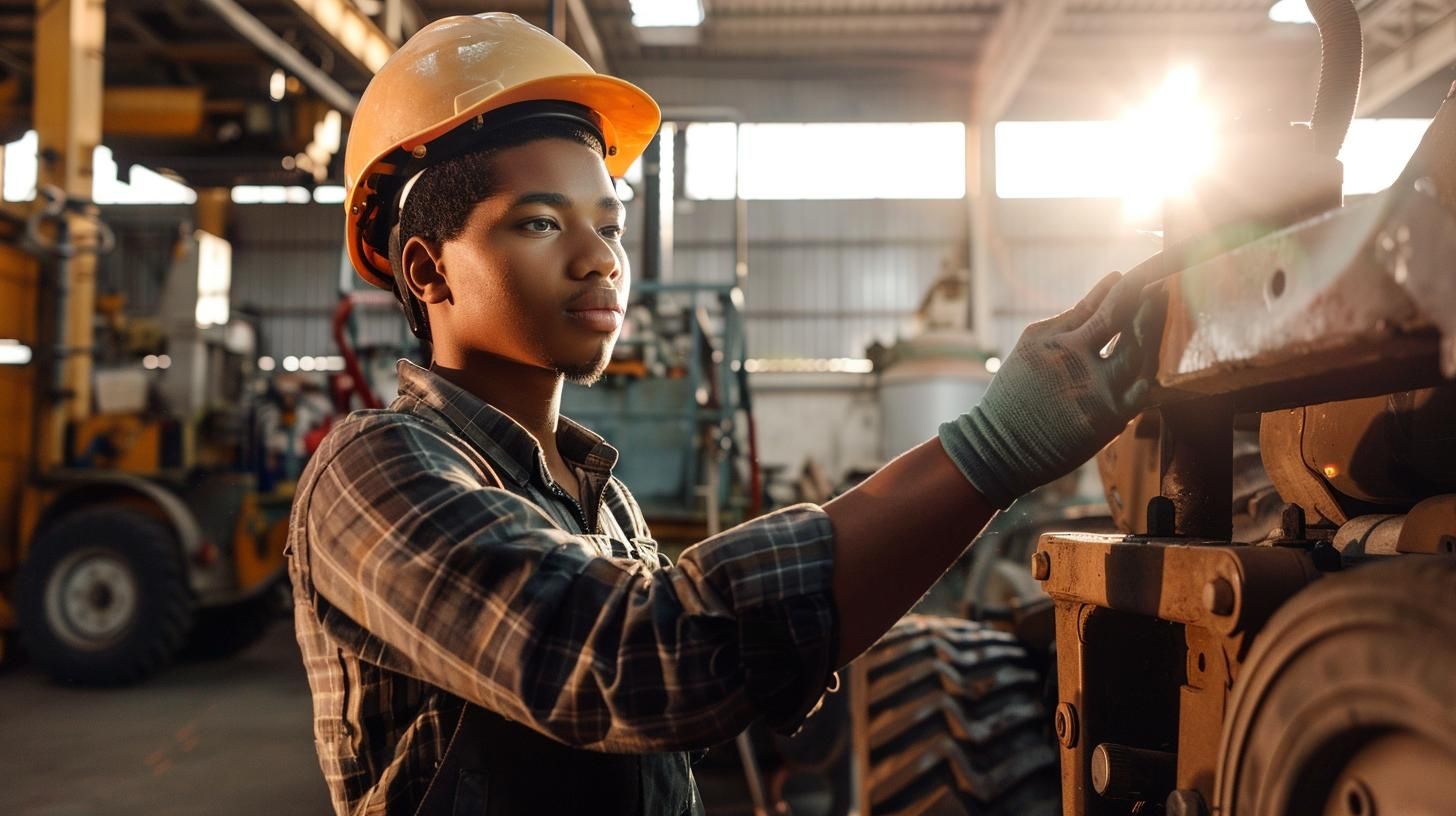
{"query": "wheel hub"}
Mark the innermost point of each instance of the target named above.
(91, 599)
(1391, 775)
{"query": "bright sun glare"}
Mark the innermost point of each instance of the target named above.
(1168, 144)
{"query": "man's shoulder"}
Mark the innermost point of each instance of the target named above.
(366, 437)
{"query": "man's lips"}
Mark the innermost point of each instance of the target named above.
(595, 299)
(596, 310)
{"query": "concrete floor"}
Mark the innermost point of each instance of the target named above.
(200, 739)
(223, 737)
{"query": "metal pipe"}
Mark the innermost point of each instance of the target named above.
(1341, 61)
(287, 56)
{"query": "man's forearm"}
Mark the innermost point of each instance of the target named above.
(894, 535)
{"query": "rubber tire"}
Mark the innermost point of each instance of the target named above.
(956, 723)
(224, 631)
(164, 610)
(1367, 651)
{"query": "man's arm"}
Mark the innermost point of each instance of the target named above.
(1053, 405)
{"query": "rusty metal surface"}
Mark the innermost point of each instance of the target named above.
(1197, 473)
(1167, 579)
(1430, 527)
(1368, 288)
(1303, 303)
(1130, 470)
(1162, 625)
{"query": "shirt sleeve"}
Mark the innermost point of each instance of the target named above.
(471, 588)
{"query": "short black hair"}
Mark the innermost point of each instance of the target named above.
(443, 196)
(442, 199)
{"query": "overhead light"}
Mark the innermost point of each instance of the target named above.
(667, 13)
(277, 85)
(1291, 11)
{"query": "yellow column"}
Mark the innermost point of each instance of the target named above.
(70, 37)
(214, 210)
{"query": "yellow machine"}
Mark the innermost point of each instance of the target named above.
(123, 529)
(129, 527)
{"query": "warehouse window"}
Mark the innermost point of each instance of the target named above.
(1111, 159)
(827, 160)
(142, 186)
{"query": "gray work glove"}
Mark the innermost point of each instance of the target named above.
(1056, 400)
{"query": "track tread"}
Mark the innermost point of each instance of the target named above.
(956, 725)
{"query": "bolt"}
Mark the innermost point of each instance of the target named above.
(1041, 565)
(1162, 514)
(1357, 799)
(1184, 803)
(1065, 723)
(1291, 521)
(1218, 597)
(419, 151)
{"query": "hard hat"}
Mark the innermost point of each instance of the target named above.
(454, 72)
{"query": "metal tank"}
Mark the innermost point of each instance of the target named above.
(925, 381)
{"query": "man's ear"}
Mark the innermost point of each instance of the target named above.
(424, 270)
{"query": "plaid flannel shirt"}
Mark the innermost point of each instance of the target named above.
(413, 576)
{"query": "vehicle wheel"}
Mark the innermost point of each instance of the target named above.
(223, 631)
(1344, 705)
(103, 597)
(956, 724)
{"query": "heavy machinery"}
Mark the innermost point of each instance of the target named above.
(132, 528)
(1307, 670)
(1271, 630)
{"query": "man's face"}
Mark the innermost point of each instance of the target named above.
(539, 275)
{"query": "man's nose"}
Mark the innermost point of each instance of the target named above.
(594, 256)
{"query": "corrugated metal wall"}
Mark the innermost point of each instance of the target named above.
(825, 278)
(1050, 252)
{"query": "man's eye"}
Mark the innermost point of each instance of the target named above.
(612, 232)
(539, 225)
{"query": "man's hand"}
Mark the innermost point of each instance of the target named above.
(1057, 400)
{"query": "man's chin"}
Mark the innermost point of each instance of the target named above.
(584, 374)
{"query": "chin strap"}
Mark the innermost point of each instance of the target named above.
(414, 311)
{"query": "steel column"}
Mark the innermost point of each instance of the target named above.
(70, 38)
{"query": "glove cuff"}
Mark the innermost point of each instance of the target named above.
(972, 443)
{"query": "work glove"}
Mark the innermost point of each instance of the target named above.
(1061, 394)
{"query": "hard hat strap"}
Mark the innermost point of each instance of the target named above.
(414, 311)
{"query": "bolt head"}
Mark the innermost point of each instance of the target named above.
(1218, 597)
(1041, 566)
(1184, 803)
(1065, 724)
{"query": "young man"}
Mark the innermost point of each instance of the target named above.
(486, 623)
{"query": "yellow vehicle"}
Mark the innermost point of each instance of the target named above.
(127, 520)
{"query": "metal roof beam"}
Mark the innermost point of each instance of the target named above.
(350, 29)
(1420, 58)
(286, 55)
(586, 31)
(1011, 50)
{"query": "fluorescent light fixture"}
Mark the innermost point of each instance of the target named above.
(808, 365)
(14, 352)
(1291, 11)
(328, 194)
(667, 13)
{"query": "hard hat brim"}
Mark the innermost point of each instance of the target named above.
(629, 116)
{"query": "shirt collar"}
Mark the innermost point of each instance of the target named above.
(500, 437)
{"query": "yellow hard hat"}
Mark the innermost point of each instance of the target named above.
(454, 72)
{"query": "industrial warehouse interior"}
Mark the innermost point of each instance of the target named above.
(729, 407)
